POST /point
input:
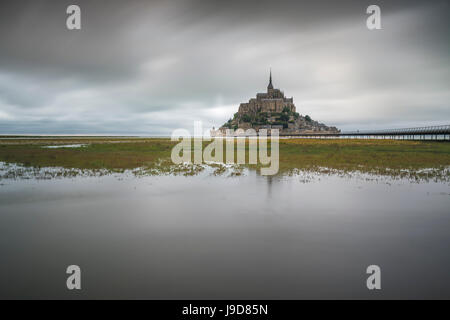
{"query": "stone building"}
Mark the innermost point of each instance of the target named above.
(271, 101)
(272, 110)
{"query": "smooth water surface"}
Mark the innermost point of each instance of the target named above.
(207, 237)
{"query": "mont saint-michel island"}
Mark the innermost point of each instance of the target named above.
(273, 110)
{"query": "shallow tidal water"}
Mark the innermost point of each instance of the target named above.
(212, 237)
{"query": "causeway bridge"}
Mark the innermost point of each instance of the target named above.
(438, 133)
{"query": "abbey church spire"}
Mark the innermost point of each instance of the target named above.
(270, 86)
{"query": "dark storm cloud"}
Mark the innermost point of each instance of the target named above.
(148, 67)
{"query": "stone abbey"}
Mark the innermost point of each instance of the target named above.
(272, 101)
(272, 110)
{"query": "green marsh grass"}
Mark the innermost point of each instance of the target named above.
(152, 155)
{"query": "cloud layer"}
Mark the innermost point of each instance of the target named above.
(146, 68)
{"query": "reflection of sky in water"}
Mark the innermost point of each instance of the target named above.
(65, 146)
(305, 236)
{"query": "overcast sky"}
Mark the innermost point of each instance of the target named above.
(148, 67)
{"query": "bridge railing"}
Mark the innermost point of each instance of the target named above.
(443, 129)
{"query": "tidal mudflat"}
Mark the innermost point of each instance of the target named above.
(214, 234)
